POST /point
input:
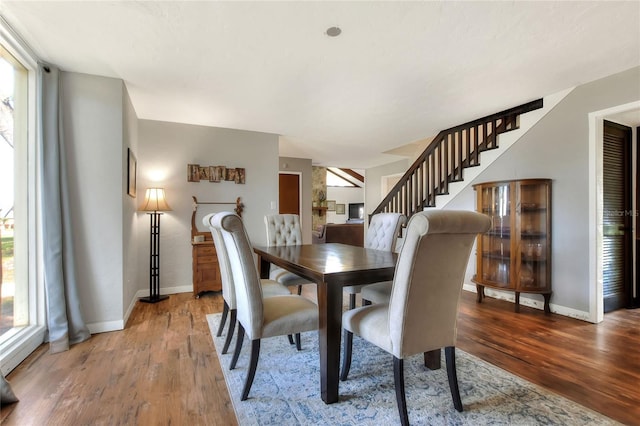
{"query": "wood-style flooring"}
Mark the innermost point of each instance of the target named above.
(162, 369)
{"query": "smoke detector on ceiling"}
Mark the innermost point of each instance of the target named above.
(333, 31)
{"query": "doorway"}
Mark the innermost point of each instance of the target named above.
(618, 214)
(629, 115)
(290, 190)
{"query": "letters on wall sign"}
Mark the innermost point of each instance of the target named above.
(198, 173)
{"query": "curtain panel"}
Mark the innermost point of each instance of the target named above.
(65, 323)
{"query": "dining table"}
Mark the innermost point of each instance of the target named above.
(331, 266)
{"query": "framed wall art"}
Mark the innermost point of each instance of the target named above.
(339, 208)
(331, 205)
(132, 165)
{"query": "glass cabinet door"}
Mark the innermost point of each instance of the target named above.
(533, 241)
(496, 244)
(515, 254)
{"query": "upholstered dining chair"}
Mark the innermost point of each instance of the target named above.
(259, 317)
(284, 230)
(422, 312)
(382, 234)
(269, 287)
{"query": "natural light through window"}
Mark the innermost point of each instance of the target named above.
(333, 180)
(13, 286)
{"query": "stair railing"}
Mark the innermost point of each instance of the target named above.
(444, 159)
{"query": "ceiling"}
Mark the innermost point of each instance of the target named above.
(399, 72)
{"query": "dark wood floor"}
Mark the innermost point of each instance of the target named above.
(162, 369)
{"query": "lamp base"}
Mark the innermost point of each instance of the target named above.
(153, 299)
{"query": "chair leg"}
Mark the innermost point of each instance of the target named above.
(239, 341)
(291, 342)
(299, 289)
(255, 353)
(366, 302)
(346, 355)
(352, 300)
(398, 375)
(232, 326)
(225, 311)
(450, 357)
(298, 343)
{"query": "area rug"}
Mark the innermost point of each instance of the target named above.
(286, 390)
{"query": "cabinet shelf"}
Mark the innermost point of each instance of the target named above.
(515, 255)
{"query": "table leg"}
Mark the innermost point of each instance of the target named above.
(329, 335)
(432, 359)
(264, 267)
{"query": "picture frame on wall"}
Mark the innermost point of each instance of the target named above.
(340, 208)
(132, 165)
(331, 205)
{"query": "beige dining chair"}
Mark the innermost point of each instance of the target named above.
(269, 287)
(422, 312)
(284, 230)
(259, 317)
(382, 234)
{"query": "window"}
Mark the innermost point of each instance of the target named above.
(21, 312)
(344, 177)
(15, 304)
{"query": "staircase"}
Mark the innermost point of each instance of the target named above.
(443, 161)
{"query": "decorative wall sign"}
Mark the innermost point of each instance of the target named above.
(193, 173)
(198, 173)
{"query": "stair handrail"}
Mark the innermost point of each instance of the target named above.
(514, 113)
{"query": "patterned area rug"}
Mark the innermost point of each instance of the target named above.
(286, 390)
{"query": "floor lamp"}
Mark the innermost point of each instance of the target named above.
(154, 203)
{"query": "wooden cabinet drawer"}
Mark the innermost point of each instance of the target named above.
(206, 251)
(206, 259)
(206, 276)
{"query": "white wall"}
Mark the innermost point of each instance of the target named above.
(558, 148)
(373, 179)
(130, 228)
(93, 129)
(343, 195)
(164, 151)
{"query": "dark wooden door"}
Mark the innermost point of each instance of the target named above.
(289, 189)
(617, 216)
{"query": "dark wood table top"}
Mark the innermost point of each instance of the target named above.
(331, 266)
(332, 262)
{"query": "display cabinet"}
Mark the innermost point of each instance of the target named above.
(515, 254)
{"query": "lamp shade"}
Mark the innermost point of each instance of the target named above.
(154, 200)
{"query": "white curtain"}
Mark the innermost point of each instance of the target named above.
(65, 323)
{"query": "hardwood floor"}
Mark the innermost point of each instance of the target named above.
(162, 369)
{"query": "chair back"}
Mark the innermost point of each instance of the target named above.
(283, 229)
(245, 274)
(228, 288)
(432, 263)
(383, 231)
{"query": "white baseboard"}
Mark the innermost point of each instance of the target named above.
(510, 296)
(106, 326)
